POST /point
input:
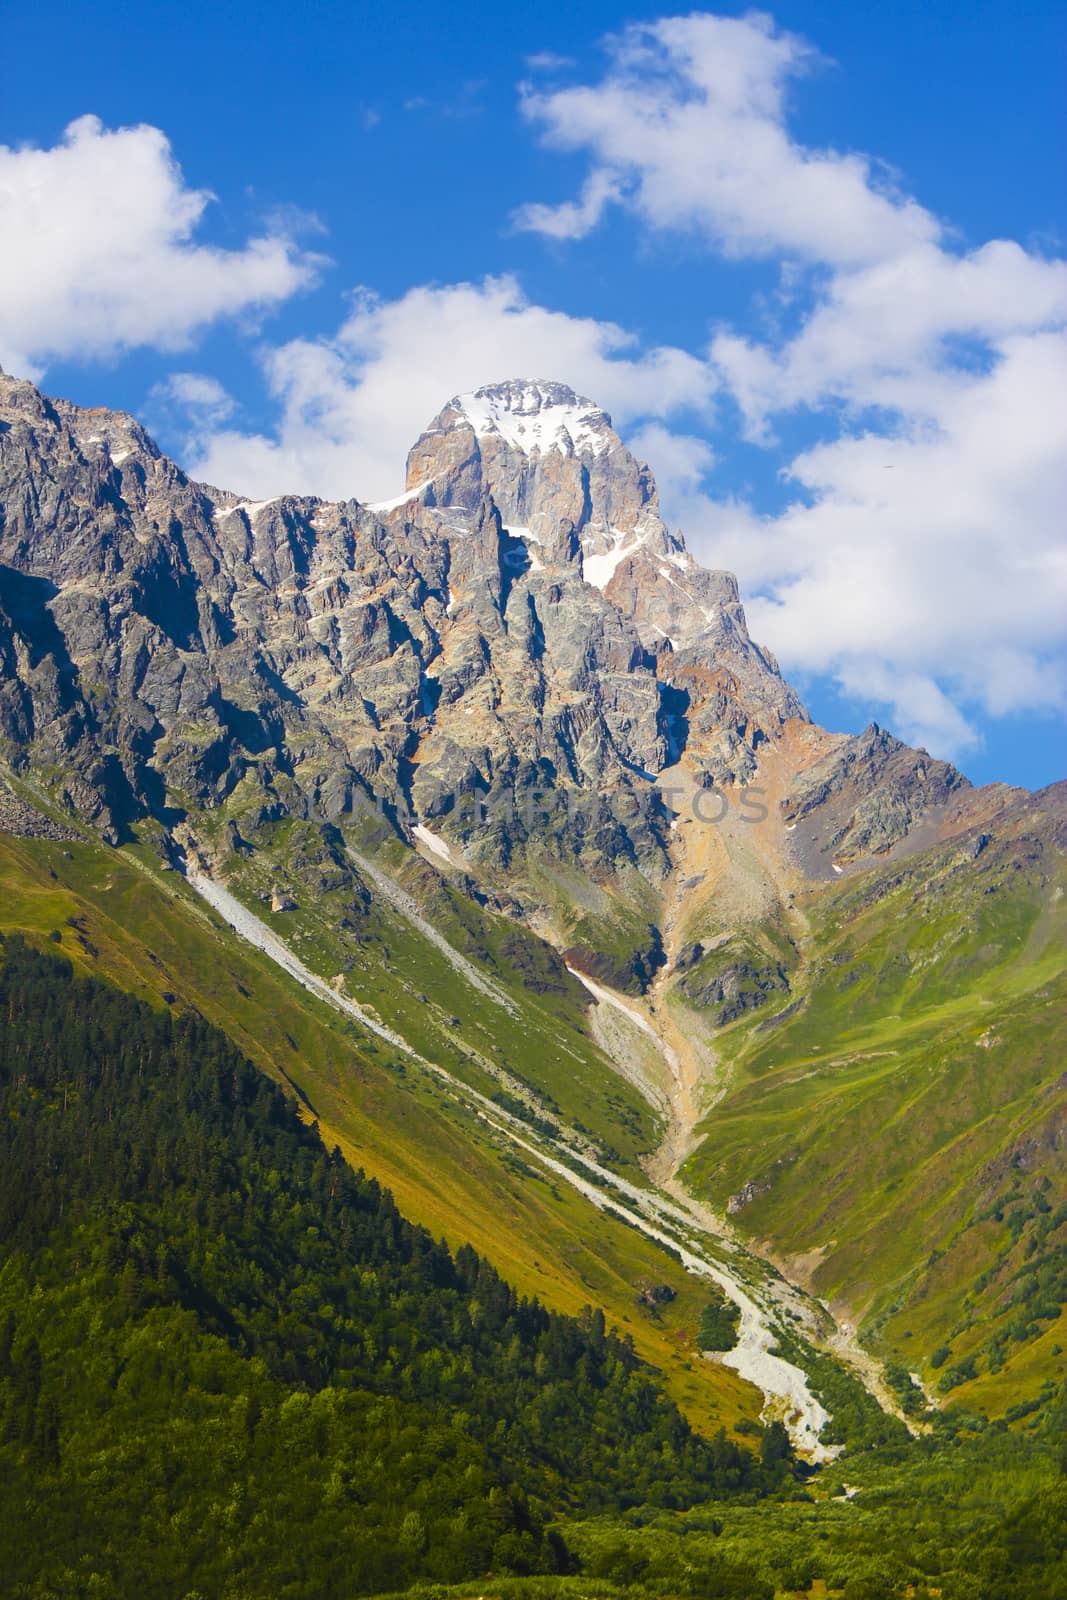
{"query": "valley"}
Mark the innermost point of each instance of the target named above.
(477, 822)
(681, 1226)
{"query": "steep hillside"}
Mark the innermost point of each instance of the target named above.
(894, 1120)
(448, 1167)
(171, 1224)
(213, 1333)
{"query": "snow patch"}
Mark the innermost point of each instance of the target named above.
(432, 842)
(251, 508)
(531, 416)
(398, 500)
(599, 570)
(610, 998)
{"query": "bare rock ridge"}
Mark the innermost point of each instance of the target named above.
(520, 622)
(567, 487)
(871, 791)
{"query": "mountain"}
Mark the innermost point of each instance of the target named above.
(494, 773)
(320, 652)
(520, 618)
(516, 649)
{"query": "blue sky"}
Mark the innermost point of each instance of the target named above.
(769, 301)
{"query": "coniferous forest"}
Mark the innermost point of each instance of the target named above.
(228, 1363)
(229, 1367)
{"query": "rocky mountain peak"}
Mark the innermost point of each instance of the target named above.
(578, 513)
(522, 612)
(558, 473)
(567, 488)
(521, 619)
(536, 414)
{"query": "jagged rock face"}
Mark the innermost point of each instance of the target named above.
(172, 645)
(558, 473)
(733, 989)
(579, 513)
(522, 620)
(521, 625)
(868, 794)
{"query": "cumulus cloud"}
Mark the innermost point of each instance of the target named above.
(572, 219)
(921, 558)
(682, 459)
(921, 562)
(194, 395)
(935, 551)
(905, 334)
(100, 253)
(688, 124)
(352, 406)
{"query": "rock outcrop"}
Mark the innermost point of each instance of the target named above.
(508, 653)
(726, 990)
(868, 794)
(520, 624)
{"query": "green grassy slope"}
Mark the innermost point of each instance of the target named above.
(539, 1036)
(902, 1127)
(146, 931)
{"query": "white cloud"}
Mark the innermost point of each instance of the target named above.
(573, 219)
(688, 123)
(679, 460)
(352, 406)
(924, 566)
(99, 253)
(196, 395)
(921, 561)
(920, 710)
(901, 333)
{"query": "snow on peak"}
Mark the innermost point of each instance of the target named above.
(600, 569)
(397, 500)
(530, 414)
(251, 508)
